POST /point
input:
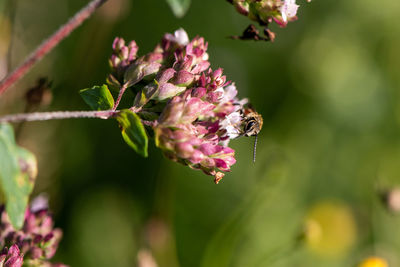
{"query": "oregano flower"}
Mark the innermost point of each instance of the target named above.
(33, 245)
(195, 109)
(264, 12)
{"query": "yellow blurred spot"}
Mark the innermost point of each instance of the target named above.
(313, 231)
(330, 228)
(374, 262)
(21, 180)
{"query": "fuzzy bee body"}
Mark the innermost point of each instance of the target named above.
(252, 122)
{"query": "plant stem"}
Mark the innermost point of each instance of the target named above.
(121, 93)
(49, 44)
(58, 115)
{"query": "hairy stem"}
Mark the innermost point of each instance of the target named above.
(59, 115)
(121, 93)
(49, 44)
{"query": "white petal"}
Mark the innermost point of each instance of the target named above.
(289, 9)
(181, 37)
(230, 92)
(40, 202)
(232, 132)
(220, 90)
(234, 117)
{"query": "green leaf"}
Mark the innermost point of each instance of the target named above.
(18, 170)
(179, 7)
(98, 97)
(133, 131)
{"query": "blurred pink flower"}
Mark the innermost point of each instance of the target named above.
(37, 240)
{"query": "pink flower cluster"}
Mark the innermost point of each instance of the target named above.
(123, 55)
(264, 11)
(34, 244)
(194, 105)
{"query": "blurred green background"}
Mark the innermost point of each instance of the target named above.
(328, 89)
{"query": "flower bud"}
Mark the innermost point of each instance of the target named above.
(138, 71)
(124, 53)
(13, 251)
(118, 43)
(184, 150)
(199, 92)
(168, 90)
(241, 6)
(183, 78)
(194, 108)
(166, 75)
(172, 112)
(15, 261)
(186, 63)
(200, 67)
(133, 49)
(114, 61)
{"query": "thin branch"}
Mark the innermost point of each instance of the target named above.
(121, 93)
(49, 44)
(58, 115)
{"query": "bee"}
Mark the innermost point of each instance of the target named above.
(245, 121)
(252, 124)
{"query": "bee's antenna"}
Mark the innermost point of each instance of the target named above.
(254, 149)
